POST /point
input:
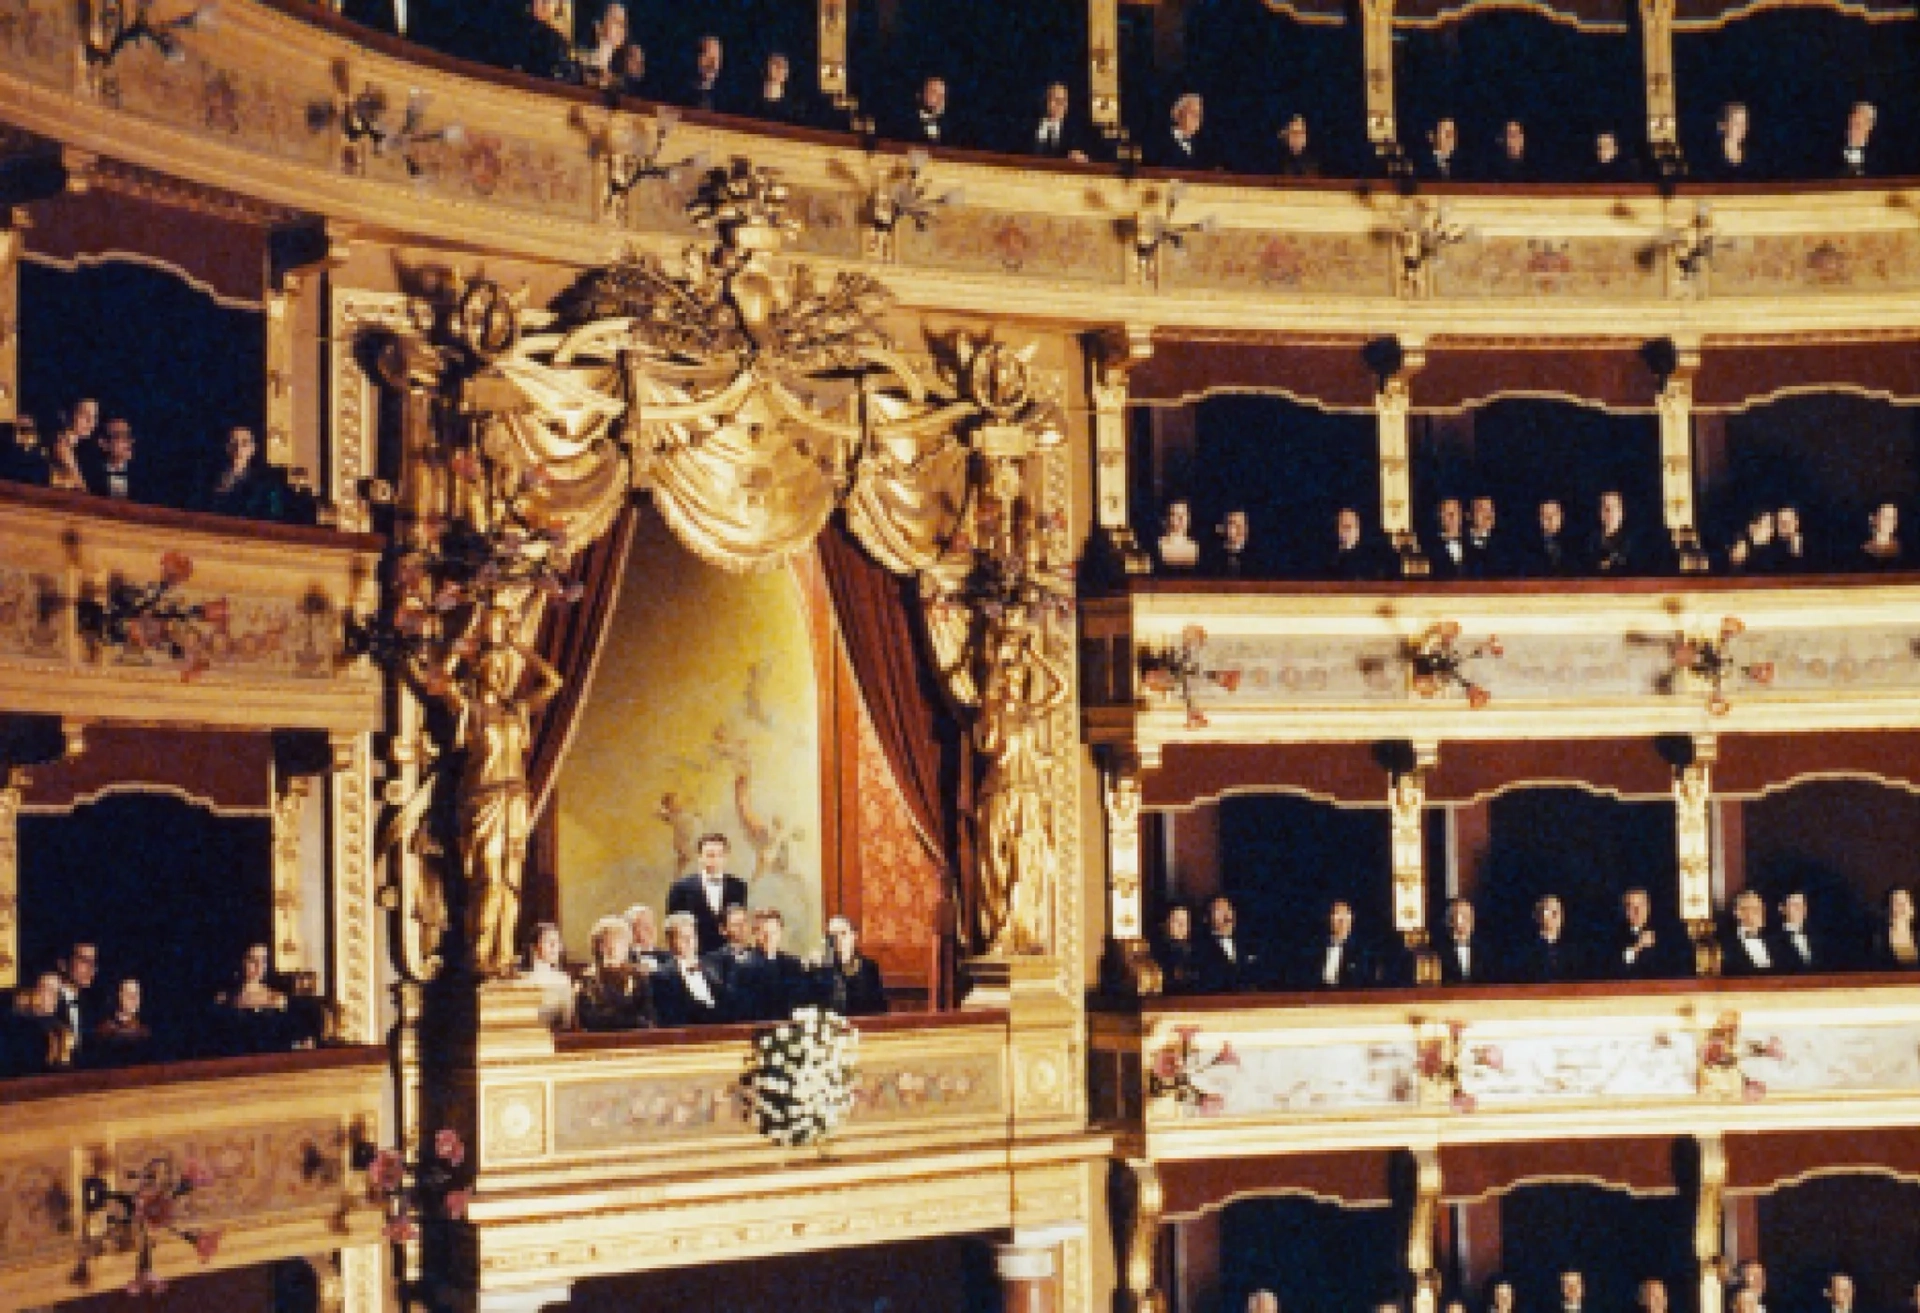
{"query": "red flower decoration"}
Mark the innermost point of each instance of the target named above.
(1753, 1091)
(1227, 679)
(1762, 673)
(176, 568)
(1477, 697)
(1448, 630)
(457, 1201)
(1464, 1102)
(196, 1174)
(206, 1244)
(1212, 1105)
(1732, 627)
(1197, 721)
(215, 612)
(449, 1147)
(399, 1231)
(388, 1171)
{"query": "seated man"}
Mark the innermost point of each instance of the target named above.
(1182, 145)
(1447, 550)
(648, 955)
(927, 123)
(686, 992)
(1463, 960)
(1612, 548)
(1441, 159)
(1610, 163)
(1297, 156)
(112, 473)
(535, 45)
(1573, 1292)
(1551, 555)
(726, 960)
(1510, 161)
(1805, 951)
(848, 981)
(775, 101)
(1793, 556)
(769, 982)
(600, 63)
(1550, 956)
(613, 993)
(81, 1005)
(1859, 153)
(1338, 961)
(1175, 952)
(703, 89)
(1488, 556)
(1749, 950)
(1642, 952)
(1353, 557)
(1234, 556)
(1227, 961)
(1057, 135)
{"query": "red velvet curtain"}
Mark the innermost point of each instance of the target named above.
(926, 745)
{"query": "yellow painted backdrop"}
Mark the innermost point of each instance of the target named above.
(703, 715)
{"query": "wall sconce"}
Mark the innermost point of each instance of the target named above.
(1156, 230)
(633, 157)
(902, 198)
(1708, 663)
(1422, 239)
(366, 123)
(112, 28)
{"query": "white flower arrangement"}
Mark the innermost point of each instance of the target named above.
(799, 1079)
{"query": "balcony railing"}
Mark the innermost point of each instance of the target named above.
(276, 1133)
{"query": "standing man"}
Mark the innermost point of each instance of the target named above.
(708, 892)
(80, 1003)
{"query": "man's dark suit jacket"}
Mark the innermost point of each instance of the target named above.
(675, 1005)
(768, 988)
(1074, 135)
(856, 993)
(1477, 969)
(1164, 152)
(1734, 960)
(1670, 958)
(1219, 974)
(689, 894)
(1543, 963)
(1357, 966)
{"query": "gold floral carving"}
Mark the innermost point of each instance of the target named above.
(289, 809)
(356, 982)
(12, 781)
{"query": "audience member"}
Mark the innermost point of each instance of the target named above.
(1651, 1296)
(1882, 550)
(1609, 162)
(1612, 549)
(1640, 951)
(1752, 1274)
(1755, 551)
(545, 968)
(769, 982)
(726, 961)
(62, 455)
(1550, 555)
(1058, 135)
(1174, 951)
(245, 486)
(703, 89)
(1804, 952)
(686, 992)
(648, 955)
(601, 63)
(1510, 162)
(122, 1038)
(1353, 557)
(849, 980)
(1550, 956)
(113, 473)
(1487, 554)
(708, 892)
(1297, 156)
(612, 994)
(1227, 962)
(1337, 961)
(81, 1006)
(1461, 960)
(535, 45)
(1500, 1296)
(927, 123)
(1573, 1292)
(775, 100)
(1791, 555)
(1233, 556)
(1749, 950)
(1176, 550)
(1894, 945)
(1447, 552)
(38, 1037)
(1839, 1293)
(1182, 145)
(1859, 154)
(252, 1017)
(1441, 160)
(630, 76)
(1263, 1301)
(1731, 160)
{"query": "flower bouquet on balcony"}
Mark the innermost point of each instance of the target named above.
(154, 1203)
(798, 1084)
(440, 1190)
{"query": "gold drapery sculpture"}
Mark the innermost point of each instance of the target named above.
(751, 400)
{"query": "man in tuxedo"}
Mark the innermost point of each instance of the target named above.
(848, 980)
(1859, 156)
(726, 961)
(776, 101)
(1336, 961)
(1352, 557)
(1058, 135)
(708, 892)
(1639, 951)
(685, 991)
(1297, 156)
(1805, 951)
(1461, 960)
(1749, 950)
(704, 89)
(1552, 555)
(1182, 146)
(1233, 557)
(81, 1006)
(1176, 954)
(1611, 549)
(927, 124)
(1441, 160)
(1447, 555)
(111, 473)
(1550, 956)
(647, 953)
(769, 983)
(1487, 554)
(1227, 962)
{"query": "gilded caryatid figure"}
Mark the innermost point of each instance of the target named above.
(1018, 854)
(492, 691)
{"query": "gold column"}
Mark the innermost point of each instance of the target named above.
(13, 240)
(1103, 65)
(13, 782)
(1675, 403)
(356, 967)
(1139, 1278)
(1376, 36)
(1656, 44)
(1709, 1221)
(1393, 404)
(1693, 837)
(1126, 923)
(1114, 359)
(277, 441)
(1420, 1229)
(834, 17)
(1406, 806)
(289, 808)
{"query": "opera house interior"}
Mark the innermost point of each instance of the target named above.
(1077, 656)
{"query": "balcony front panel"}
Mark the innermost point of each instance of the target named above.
(1224, 1075)
(267, 653)
(1283, 663)
(276, 1133)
